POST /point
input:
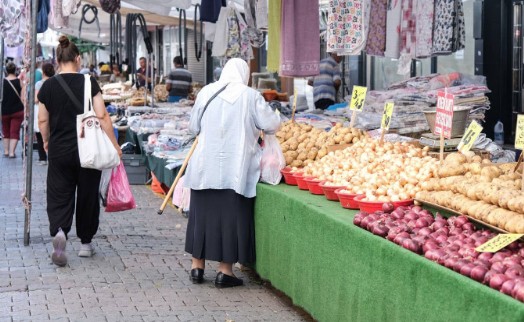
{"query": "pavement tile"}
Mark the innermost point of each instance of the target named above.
(139, 272)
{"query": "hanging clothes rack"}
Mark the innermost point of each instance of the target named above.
(115, 38)
(85, 9)
(183, 46)
(198, 50)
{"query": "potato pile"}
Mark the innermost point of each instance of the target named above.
(161, 93)
(383, 172)
(484, 191)
(302, 143)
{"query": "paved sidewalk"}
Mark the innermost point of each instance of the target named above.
(139, 272)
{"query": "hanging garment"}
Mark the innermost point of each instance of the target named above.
(210, 10)
(246, 51)
(376, 41)
(70, 7)
(42, 16)
(256, 36)
(231, 35)
(348, 25)
(56, 19)
(424, 35)
(221, 33)
(261, 14)
(273, 36)
(393, 16)
(407, 36)
(461, 27)
(444, 26)
(300, 45)
(13, 25)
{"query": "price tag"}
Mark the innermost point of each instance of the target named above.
(386, 116)
(470, 136)
(357, 98)
(444, 117)
(519, 136)
(497, 243)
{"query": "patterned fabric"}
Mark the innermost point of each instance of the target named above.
(424, 35)
(12, 22)
(300, 46)
(56, 19)
(376, 42)
(70, 7)
(461, 27)
(323, 87)
(273, 35)
(348, 24)
(393, 16)
(407, 36)
(444, 26)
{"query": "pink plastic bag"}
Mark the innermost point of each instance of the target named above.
(119, 196)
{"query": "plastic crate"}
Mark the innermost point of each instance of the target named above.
(137, 172)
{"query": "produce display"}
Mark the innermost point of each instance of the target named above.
(303, 143)
(450, 242)
(383, 172)
(484, 191)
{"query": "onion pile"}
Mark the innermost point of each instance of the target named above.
(450, 242)
(383, 172)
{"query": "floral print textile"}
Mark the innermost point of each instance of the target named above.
(348, 24)
(376, 41)
(449, 30)
(424, 31)
(393, 16)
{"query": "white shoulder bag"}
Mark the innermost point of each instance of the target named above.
(94, 146)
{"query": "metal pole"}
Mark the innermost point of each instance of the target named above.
(30, 108)
(2, 72)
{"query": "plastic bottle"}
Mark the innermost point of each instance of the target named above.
(499, 133)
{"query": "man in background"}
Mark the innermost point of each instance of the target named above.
(141, 74)
(326, 84)
(179, 81)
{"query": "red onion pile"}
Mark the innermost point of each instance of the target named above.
(450, 242)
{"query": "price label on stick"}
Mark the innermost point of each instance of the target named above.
(444, 117)
(295, 98)
(470, 136)
(497, 243)
(357, 98)
(519, 135)
(386, 116)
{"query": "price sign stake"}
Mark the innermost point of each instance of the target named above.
(444, 118)
(294, 105)
(497, 243)
(357, 102)
(470, 136)
(386, 119)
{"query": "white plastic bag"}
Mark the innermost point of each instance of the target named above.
(104, 185)
(272, 161)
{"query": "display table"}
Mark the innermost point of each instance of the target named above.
(158, 167)
(308, 248)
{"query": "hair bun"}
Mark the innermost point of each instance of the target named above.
(64, 41)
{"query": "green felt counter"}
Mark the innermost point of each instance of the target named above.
(309, 248)
(158, 167)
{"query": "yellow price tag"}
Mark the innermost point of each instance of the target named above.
(497, 243)
(295, 98)
(357, 98)
(470, 136)
(519, 136)
(386, 116)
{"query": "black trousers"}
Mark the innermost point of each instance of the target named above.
(42, 155)
(65, 178)
(324, 103)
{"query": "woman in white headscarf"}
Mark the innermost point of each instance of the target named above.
(223, 172)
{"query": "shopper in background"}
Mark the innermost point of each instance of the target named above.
(48, 70)
(115, 73)
(223, 173)
(68, 184)
(141, 74)
(12, 111)
(179, 81)
(326, 84)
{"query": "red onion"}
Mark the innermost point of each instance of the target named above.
(426, 231)
(416, 209)
(429, 245)
(365, 222)
(411, 245)
(507, 287)
(514, 272)
(397, 214)
(513, 246)
(499, 267)
(421, 222)
(485, 256)
(478, 273)
(441, 238)
(454, 247)
(497, 280)
(518, 291)
(358, 218)
(481, 241)
(497, 257)
(459, 264)
(521, 252)
(411, 216)
(380, 230)
(489, 275)
(438, 216)
(388, 207)
(438, 224)
(450, 262)
(435, 254)
(482, 262)
(455, 231)
(468, 226)
(467, 268)
(460, 220)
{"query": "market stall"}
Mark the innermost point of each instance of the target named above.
(309, 248)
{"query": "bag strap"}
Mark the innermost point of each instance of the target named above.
(14, 89)
(212, 98)
(69, 93)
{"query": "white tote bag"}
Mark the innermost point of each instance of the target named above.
(94, 146)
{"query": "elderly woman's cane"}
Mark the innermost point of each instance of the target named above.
(180, 172)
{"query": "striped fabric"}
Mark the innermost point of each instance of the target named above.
(323, 83)
(180, 80)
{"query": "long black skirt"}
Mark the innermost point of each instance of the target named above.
(221, 226)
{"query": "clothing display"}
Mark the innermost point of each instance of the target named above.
(299, 51)
(255, 19)
(393, 18)
(13, 21)
(56, 19)
(424, 31)
(407, 36)
(273, 37)
(348, 24)
(449, 30)
(210, 10)
(231, 35)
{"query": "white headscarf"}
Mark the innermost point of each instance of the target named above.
(236, 74)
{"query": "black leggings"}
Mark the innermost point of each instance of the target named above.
(42, 155)
(65, 177)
